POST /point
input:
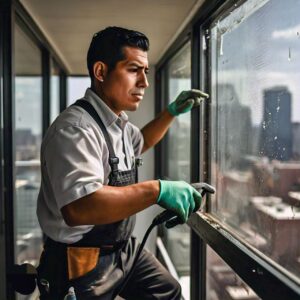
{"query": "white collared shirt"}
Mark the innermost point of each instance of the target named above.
(74, 162)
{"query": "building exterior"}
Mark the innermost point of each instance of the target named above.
(276, 129)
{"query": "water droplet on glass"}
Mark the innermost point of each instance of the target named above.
(275, 138)
(221, 45)
(253, 270)
(277, 108)
(269, 113)
(290, 54)
(264, 125)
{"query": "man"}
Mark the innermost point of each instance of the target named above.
(88, 196)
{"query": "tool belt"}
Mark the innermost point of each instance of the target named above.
(81, 259)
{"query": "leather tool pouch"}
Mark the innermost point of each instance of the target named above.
(81, 260)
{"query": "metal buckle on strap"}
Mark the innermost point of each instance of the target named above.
(113, 162)
(108, 249)
(138, 161)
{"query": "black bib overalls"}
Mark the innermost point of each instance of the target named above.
(114, 248)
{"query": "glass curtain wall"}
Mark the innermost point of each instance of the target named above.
(177, 164)
(255, 125)
(28, 134)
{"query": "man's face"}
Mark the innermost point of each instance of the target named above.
(123, 88)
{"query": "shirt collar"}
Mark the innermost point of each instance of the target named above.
(107, 116)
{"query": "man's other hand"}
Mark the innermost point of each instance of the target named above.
(185, 101)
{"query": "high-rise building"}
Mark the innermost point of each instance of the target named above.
(276, 139)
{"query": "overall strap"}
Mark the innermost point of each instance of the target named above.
(113, 159)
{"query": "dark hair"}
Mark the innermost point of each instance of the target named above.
(107, 46)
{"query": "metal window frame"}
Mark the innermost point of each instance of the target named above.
(197, 245)
(268, 280)
(63, 90)
(2, 207)
(7, 253)
(45, 90)
(8, 19)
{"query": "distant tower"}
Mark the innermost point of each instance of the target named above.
(276, 130)
(233, 128)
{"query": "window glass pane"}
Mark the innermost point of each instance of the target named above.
(177, 240)
(178, 140)
(223, 282)
(54, 91)
(28, 134)
(76, 87)
(255, 61)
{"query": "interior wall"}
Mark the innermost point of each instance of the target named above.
(142, 116)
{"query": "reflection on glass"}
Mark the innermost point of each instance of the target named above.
(54, 91)
(76, 87)
(28, 131)
(177, 240)
(256, 126)
(223, 283)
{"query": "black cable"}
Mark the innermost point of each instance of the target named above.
(141, 247)
(165, 216)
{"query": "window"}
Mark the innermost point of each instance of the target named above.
(255, 126)
(178, 141)
(28, 134)
(76, 87)
(177, 163)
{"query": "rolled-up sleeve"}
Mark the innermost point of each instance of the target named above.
(73, 163)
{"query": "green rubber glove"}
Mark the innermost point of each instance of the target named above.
(185, 101)
(179, 197)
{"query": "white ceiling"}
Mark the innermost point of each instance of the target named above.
(70, 24)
